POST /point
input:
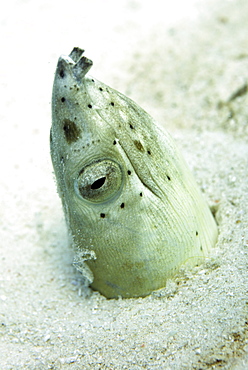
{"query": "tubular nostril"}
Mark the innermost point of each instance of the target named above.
(82, 67)
(76, 53)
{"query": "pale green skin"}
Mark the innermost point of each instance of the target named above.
(138, 247)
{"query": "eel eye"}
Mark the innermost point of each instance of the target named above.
(100, 181)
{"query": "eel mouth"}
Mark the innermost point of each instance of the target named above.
(78, 64)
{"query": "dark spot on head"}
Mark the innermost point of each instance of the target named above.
(89, 106)
(131, 126)
(138, 145)
(149, 152)
(112, 103)
(98, 140)
(114, 142)
(100, 89)
(122, 205)
(196, 233)
(141, 194)
(72, 132)
(201, 247)
(93, 80)
(129, 172)
(102, 215)
(62, 73)
(168, 177)
(63, 100)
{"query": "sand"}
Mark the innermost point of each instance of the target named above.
(186, 63)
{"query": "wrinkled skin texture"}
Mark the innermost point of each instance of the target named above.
(129, 199)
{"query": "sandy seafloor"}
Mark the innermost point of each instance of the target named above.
(186, 63)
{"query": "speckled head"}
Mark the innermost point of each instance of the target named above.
(131, 204)
(67, 95)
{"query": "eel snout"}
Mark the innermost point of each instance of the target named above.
(78, 64)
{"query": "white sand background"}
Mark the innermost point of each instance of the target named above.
(181, 61)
